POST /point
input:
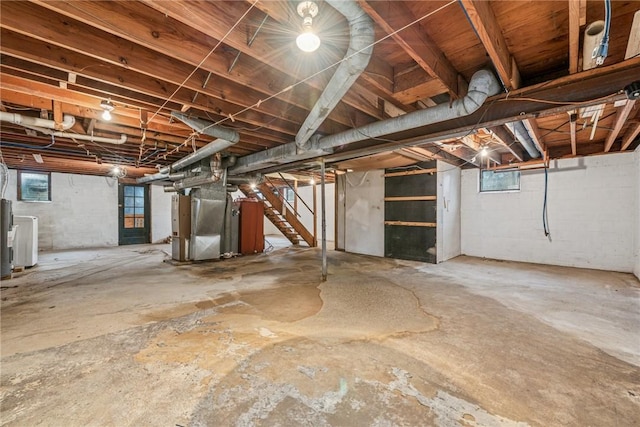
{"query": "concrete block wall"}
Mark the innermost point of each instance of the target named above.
(83, 211)
(448, 243)
(592, 209)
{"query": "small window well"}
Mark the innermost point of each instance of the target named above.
(499, 180)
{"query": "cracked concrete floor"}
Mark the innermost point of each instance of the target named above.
(117, 337)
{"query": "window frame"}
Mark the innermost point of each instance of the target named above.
(20, 196)
(503, 190)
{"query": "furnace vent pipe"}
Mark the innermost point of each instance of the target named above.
(522, 135)
(208, 150)
(67, 121)
(354, 63)
(206, 128)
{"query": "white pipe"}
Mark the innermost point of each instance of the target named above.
(19, 119)
(592, 38)
(81, 137)
(4, 179)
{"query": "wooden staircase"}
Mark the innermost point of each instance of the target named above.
(280, 215)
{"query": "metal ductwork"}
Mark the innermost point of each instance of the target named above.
(226, 138)
(482, 85)
(522, 135)
(205, 127)
(4, 179)
(67, 121)
(354, 63)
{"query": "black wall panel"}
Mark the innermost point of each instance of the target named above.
(412, 243)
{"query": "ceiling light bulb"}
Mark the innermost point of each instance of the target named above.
(115, 170)
(253, 186)
(484, 152)
(312, 181)
(106, 115)
(307, 41)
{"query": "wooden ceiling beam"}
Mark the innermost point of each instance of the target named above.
(486, 26)
(621, 119)
(216, 19)
(187, 44)
(79, 54)
(630, 135)
(391, 16)
(505, 138)
(534, 131)
(470, 142)
(577, 18)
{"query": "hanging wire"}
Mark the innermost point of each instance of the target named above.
(346, 58)
(203, 60)
(545, 217)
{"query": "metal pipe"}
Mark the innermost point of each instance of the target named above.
(522, 135)
(169, 189)
(354, 63)
(482, 85)
(79, 136)
(4, 179)
(208, 150)
(67, 121)
(208, 128)
(324, 222)
(195, 181)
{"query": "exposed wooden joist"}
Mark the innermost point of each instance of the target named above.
(621, 118)
(187, 44)
(573, 133)
(504, 137)
(471, 142)
(630, 135)
(484, 21)
(215, 19)
(391, 16)
(577, 18)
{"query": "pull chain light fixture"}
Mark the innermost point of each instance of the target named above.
(307, 41)
(108, 107)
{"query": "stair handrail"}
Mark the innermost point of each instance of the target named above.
(295, 192)
(267, 180)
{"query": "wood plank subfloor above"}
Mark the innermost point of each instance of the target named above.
(117, 337)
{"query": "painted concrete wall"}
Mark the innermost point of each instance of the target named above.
(592, 213)
(448, 224)
(636, 269)
(83, 211)
(340, 220)
(364, 213)
(306, 193)
(160, 213)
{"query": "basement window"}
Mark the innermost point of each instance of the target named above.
(34, 186)
(499, 180)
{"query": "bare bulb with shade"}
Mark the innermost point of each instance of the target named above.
(106, 115)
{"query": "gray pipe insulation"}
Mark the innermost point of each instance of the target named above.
(482, 85)
(522, 135)
(362, 37)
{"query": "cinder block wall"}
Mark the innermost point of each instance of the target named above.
(593, 215)
(83, 211)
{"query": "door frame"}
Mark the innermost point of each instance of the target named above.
(145, 234)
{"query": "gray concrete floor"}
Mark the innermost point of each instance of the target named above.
(117, 337)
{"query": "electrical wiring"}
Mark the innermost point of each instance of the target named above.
(346, 58)
(603, 48)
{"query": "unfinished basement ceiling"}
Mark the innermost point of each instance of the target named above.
(236, 64)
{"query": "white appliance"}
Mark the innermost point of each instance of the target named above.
(25, 244)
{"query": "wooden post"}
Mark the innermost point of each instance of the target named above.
(295, 196)
(324, 224)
